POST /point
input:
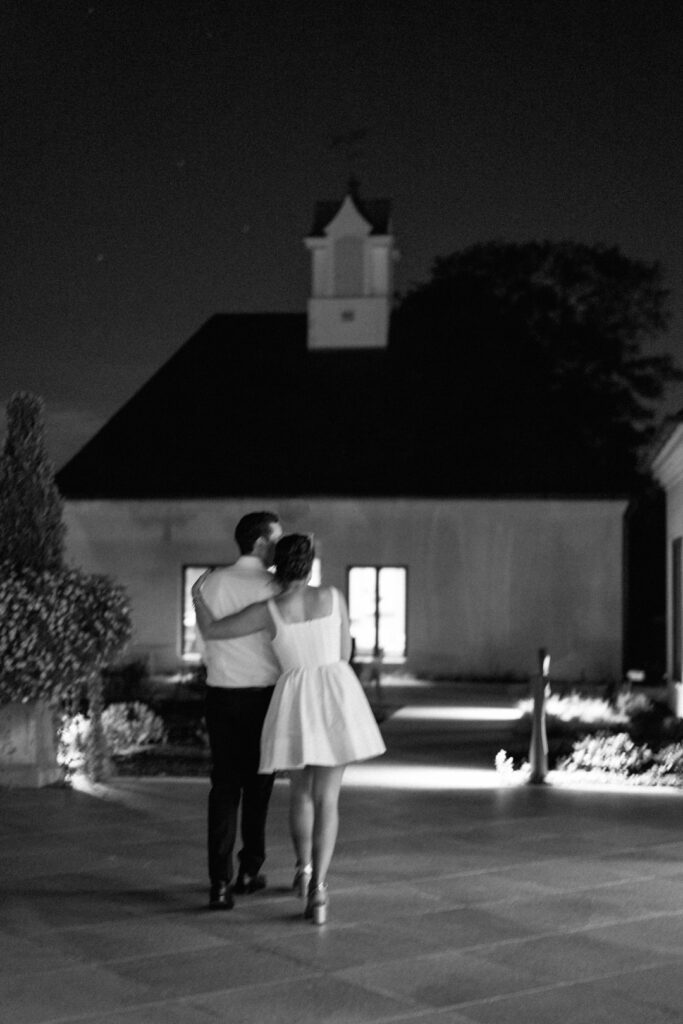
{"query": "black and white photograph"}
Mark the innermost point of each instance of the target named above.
(341, 512)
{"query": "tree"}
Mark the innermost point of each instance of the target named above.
(31, 527)
(59, 626)
(547, 338)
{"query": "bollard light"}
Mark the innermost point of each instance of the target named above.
(538, 751)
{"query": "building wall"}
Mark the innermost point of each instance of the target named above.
(667, 467)
(489, 581)
(674, 529)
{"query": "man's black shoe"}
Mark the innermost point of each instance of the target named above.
(249, 883)
(220, 896)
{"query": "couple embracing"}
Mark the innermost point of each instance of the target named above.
(281, 696)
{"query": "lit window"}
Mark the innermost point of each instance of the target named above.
(377, 610)
(191, 641)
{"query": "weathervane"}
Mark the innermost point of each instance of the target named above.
(350, 145)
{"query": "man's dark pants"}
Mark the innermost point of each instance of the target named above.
(234, 719)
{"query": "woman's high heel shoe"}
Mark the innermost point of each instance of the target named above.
(302, 880)
(317, 904)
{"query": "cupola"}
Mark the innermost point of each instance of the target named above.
(352, 256)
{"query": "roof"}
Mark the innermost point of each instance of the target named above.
(664, 457)
(377, 212)
(664, 434)
(243, 408)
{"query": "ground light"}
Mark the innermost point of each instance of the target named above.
(421, 777)
(407, 777)
(458, 714)
(424, 777)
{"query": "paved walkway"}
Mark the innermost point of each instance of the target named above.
(454, 898)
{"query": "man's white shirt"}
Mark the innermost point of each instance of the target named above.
(247, 660)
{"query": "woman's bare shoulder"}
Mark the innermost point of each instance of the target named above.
(325, 599)
(318, 601)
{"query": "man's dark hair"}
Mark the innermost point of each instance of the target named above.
(251, 527)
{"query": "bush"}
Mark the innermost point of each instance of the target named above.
(132, 724)
(670, 759)
(607, 752)
(617, 755)
(57, 628)
(125, 726)
(575, 707)
(72, 742)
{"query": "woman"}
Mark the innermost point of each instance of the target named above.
(319, 719)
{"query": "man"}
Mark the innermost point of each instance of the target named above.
(241, 675)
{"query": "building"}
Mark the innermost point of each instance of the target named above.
(667, 467)
(458, 551)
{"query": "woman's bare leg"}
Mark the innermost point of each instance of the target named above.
(325, 791)
(301, 814)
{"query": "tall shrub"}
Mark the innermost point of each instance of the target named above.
(31, 527)
(59, 626)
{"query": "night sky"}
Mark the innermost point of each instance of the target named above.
(161, 161)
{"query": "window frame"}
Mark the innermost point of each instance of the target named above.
(191, 657)
(676, 608)
(400, 658)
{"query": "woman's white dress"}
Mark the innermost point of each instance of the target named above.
(318, 714)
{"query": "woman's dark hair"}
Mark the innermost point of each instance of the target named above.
(294, 554)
